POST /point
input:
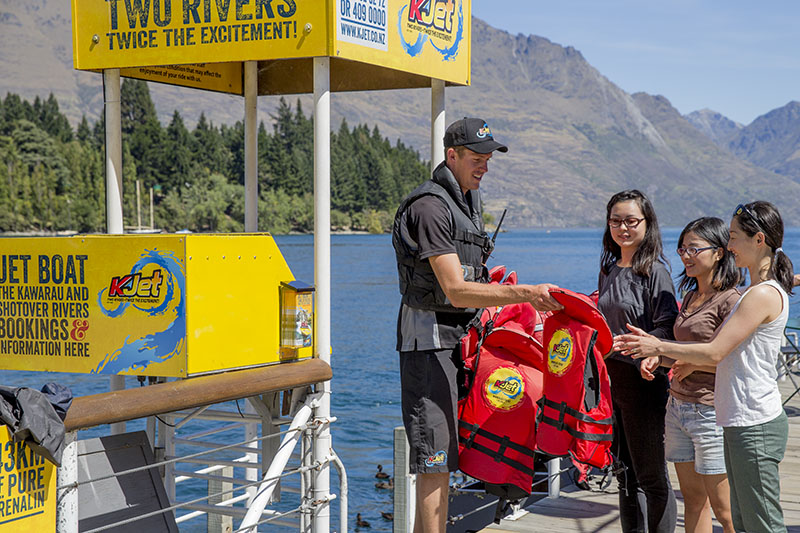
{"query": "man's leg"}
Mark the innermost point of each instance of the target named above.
(431, 514)
(429, 403)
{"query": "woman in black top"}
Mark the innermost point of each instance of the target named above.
(635, 288)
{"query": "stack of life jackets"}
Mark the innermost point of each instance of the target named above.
(533, 381)
(575, 412)
(503, 358)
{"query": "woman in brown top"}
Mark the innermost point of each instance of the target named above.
(693, 441)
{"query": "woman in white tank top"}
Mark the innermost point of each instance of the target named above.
(745, 351)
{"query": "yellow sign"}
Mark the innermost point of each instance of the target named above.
(27, 488)
(426, 37)
(139, 33)
(422, 38)
(219, 77)
(158, 305)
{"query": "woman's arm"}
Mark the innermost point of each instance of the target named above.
(760, 305)
(682, 369)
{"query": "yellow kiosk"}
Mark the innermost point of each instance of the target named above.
(183, 305)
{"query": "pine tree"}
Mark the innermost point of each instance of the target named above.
(179, 146)
(53, 122)
(209, 151)
(84, 133)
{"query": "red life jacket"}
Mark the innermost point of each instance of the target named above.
(503, 363)
(575, 413)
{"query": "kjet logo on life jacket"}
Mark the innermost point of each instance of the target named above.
(440, 21)
(437, 459)
(559, 352)
(504, 388)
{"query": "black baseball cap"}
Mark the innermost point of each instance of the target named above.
(474, 133)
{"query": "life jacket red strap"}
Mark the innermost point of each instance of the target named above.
(563, 410)
(499, 454)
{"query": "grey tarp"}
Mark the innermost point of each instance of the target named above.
(37, 417)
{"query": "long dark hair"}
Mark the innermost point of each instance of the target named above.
(715, 232)
(764, 217)
(650, 250)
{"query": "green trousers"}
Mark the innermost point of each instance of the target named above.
(752, 455)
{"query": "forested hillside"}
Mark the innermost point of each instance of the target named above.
(53, 178)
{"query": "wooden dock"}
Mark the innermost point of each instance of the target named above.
(597, 512)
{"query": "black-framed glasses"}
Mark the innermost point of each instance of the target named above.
(691, 251)
(630, 222)
(741, 208)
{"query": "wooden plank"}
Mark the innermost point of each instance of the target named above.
(130, 404)
(597, 512)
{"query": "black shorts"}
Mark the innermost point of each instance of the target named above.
(430, 403)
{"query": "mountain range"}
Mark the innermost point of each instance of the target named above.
(574, 137)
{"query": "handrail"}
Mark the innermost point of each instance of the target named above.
(130, 404)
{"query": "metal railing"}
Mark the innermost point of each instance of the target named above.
(180, 435)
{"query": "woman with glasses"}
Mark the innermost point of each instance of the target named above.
(745, 352)
(693, 441)
(635, 288)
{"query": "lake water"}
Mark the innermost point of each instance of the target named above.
(364, 301)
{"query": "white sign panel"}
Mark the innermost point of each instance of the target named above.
(362, 22)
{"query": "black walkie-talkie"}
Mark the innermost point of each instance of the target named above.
(497, 229)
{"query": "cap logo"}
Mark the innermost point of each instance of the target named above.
(484, 132)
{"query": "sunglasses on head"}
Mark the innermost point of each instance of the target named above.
(742, 208)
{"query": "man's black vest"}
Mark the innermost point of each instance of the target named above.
(418, 284)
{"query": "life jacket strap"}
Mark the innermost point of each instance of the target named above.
(563, 410)
(499, 454)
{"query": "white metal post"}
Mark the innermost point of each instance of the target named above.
(405, 486)
(251, 434)
(67, 506)
(138, 205)
(251, 224)
(113, 116)
(168, 429)
(113, 151)
(322, 281)
(267, 487)
(554, 478)
(251, 146)
(437, 122)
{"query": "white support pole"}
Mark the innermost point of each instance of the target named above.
(168, 429)
(405, 485)
(554, 478)
(138, 205)
(322, 280)
(250, 146)
(251, 224)
(437, 122)
(113, 117)
(113, 151)
(251, 434)
(67, 506)
(267, 487)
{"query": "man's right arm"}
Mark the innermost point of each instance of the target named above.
(465, 294)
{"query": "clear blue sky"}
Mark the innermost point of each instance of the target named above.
(741, 58)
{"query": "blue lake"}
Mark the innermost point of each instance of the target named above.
(364, 302)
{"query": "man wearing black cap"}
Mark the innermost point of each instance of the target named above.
(441, 250)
